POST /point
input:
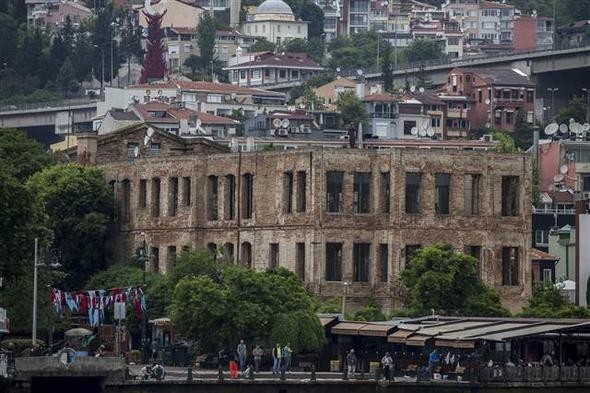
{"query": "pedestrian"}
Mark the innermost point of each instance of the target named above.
(287, 354)
(433, 359)
(276, 358)
(242, 354)
(386, 365)
(351, 362)
(257, 353)
(221, 358)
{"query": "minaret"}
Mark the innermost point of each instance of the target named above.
(234, 13)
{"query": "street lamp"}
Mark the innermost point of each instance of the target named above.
(36, 266)
(553, 90)
(102, 69)
(345, 286)
(587, 91)
(114, 26)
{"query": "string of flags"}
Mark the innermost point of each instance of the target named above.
(96, 301)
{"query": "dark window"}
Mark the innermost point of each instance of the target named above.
(172, 196)
(586, 183)
(334, 191)
(480, 96)
(509, 117)
(143, 193)
(408, 125)
(362, 195)
(300, 260)
(333, 261)
(155, 259)
(530, 96)
(229, 197)
(472, 192)
(212, 213)
(360, 256)
(246, 258)
(212, 248)
(383, 262)
(413, 180)
(510, 198)
(301, 191)
(154, 149)
(510, 266)
(385, 192)
(282, 74)
(228, 252)
(247, 195)
(410, 251)
(288, 192)
(131, 151)
(186, 191)
(156, 197)
(273, 256)
(475, 252)
(442, 182)
(126, 200)
(170, 258)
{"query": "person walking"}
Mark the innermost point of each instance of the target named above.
(242, 352)
(386, 365)
(257, 353)
(287, 355)
(351, 362)
(276, 358)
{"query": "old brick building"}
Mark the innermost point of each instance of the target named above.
(330, 215)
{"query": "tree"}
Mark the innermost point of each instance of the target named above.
(8, 43)
(506, 143)
(206, 39)
(440, 279)
(371, 312)
(78, 208)
(548, 302)
(423, 49)
(131, 42)
(84, 55)
(313, 47)
(387, 68)
(351, 108)
(23, 156)
(310, 100)
(575, 109)
(194, 63)
(313, 14)
(154, 65)
(102, 37)
(262, 45)
(66, 81)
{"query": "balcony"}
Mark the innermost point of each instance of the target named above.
(457, 113)
(383, 115)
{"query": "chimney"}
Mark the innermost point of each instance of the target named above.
(87, 148)
(234, 13)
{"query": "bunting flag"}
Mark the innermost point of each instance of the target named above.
(94, 302)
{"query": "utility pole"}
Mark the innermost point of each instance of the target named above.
(587, 91)
(35, 266)
(345, 285)
(102, 69)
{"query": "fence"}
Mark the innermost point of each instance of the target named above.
(535, 374)
(48, 104)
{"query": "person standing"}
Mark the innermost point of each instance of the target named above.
(287, 354)
(351, 362)
(276, 358)
(257, 353)
(242, 352)
(386, 364)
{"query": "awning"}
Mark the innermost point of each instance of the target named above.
(347, 328)
(530, 331)
(417, 340)
(376, 329)
(454, 344)
(400, 336)
(325, 321)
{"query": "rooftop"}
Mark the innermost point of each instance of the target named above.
(538, 255)
(210, 87)
(281, 60)
(502, 76)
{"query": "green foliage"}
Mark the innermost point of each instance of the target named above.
(351, 108)
(548, 302)
(329, 306)
(66, 81)
(313, 47)
(506, 143)
(371, 312)
(23, 156)
(206, 38)
(441, 279)
(78, 208)
(357, 51)
(262, 45)
(313, 14)
(310, 100)
(421, 50)
(387, 68)
(576, 109)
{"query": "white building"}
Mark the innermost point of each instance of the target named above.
(274, 20)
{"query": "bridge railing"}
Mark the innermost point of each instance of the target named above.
(48, 104)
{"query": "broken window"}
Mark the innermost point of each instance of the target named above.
(273, 256)
(155, 259)
(411, 249)
(383, 262)
(287, 192)
(413, 180)
(442, 182)
(172, 196)
(126, 200)
(170, 258)
(229, 197)
(360, 255)
(510, 266)
(246, 257)
(472, 192)
(142, 193)
(212, 198)
(228, 252)
(155, 197)
(300, 260)
(361, 192)
(510, 197)
(301, 191)
(247, 195)
(333, 261)
(334, 191)
(385, 192)
(186, 191)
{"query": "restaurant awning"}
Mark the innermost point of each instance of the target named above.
(376, 329)
(347, 328)
(326, 321)
(417, 340)
(400, 336)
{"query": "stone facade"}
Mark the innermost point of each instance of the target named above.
(290, 226)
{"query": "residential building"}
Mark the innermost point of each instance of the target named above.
(356, 16)
(295, 124)
(272, 71)
(52, 14)
(447, 32)
(219, 99)
(532, 33)
(562, 244)
(216, 5)
(332, 18)
(180, 44)
(575, 34)
(565, 165)
(274, 20)
(499, 97)
(229, 42)
(543, 267)
(329, 92)
(179, 14)
(468, 13)
(457, 107)
(330, 215)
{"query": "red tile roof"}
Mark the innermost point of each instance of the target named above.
(206, 118)
(538, 255)
(381, 97)
(174, 114)
(292, 60)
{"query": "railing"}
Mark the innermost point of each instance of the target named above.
(553, 211)
(535, 374)
(49, 104)
(383, 115)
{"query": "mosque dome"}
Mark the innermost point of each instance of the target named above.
(274, 7)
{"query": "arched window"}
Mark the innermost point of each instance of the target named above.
(246, 257)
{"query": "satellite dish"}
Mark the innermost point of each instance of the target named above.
(551, 129)
(337, 69)
(276, 123)
(401, 91)
(146, 140)
(359, 72)
(422, 90)
(488, 101)
(430, 132)
(136, 151)
(586, 127)
(150, 132)
(563, 128)
(412, 88)
(572, 120)
(414, 131)
(563, 169)
(422, 132)
(285, 123)
(558, 178)
(551, 188)
(576, 128)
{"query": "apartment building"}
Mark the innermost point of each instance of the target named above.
(330, 215)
